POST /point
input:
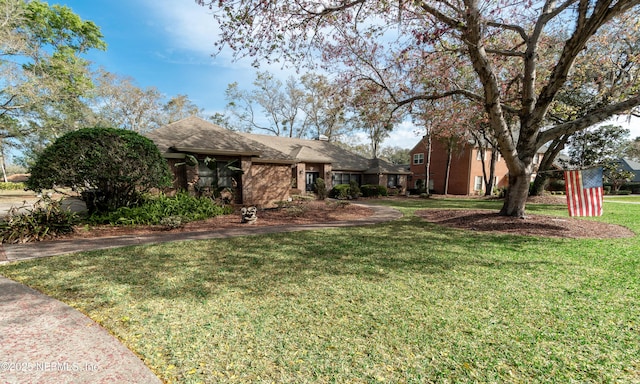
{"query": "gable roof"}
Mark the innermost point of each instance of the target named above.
(380, 166)
(195, 135)
(313, 151)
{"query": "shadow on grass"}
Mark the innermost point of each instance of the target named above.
(264, 264)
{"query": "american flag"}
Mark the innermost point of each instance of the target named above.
(584, 192)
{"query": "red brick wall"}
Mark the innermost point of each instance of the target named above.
(264, 184)
(463, 169)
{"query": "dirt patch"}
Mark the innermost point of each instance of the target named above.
(533, 225)
(307, 213)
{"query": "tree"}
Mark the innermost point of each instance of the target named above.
(370, 115)
(178, 108)
(110, 167)
(324, 106)
(633, 149)
(527, 60)
(597, 146)
(395, 155)
(42, 74)
(281, 106)
(119, 102)
(601, 146)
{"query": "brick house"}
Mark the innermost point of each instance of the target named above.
(465, 173)
(272, 168)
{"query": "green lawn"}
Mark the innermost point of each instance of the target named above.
(623, 198)
(405, 301)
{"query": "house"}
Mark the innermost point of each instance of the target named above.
(272, 168)
(632, 166)
(465, 170)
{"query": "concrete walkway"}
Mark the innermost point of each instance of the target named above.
(43, 340)
(15, 252)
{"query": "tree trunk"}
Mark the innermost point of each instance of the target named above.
(427, 165)
(546, 164)
(540, 183)
(2, 163)
(446, 172)
(492, 172)
(516, 198)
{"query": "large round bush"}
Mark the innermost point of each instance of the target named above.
(110, 167)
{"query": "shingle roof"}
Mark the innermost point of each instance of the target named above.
(314, 151)
(380, 166)
(195, 135)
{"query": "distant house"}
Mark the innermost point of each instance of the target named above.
(630, 165)
(273, 168)
(465, 173)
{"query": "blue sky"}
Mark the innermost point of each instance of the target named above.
(169, 44)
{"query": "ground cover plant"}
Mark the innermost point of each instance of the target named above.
(154, 210)
(405, 301)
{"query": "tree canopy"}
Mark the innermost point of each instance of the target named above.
(538, 71)
(110, 167)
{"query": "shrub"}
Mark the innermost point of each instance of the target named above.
(556, 185)
(340, 191)
(172, 222)
(321, 188)
(154, 210)
(47, 219)
(111, 167)
(371, 190)
(11, 186)
(354, 189)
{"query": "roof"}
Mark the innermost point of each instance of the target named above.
(380, 166)
(629, 164)
(195, 135)
(313, 151)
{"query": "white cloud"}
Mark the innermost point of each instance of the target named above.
(405, 135)
(187, 27)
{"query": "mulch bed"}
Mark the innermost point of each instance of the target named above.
(532, 225)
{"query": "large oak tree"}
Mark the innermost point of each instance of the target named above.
(540, 69)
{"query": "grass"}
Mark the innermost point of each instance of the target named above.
(405, 301)
(623, 198)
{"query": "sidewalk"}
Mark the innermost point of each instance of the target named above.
(43, 340)
(15, 252)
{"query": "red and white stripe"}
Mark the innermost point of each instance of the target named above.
(582, 201)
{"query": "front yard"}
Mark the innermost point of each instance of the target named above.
(405, 301)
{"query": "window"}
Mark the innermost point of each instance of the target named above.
(207, 177)
(225, 175)
(345, 178)
(392, 181)
(478, 184)
(479, 154)
(418, 158)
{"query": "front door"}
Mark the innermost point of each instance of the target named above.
(311, 178)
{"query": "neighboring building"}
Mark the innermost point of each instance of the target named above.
(630, 165)
(273, 168)
(465, 173)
